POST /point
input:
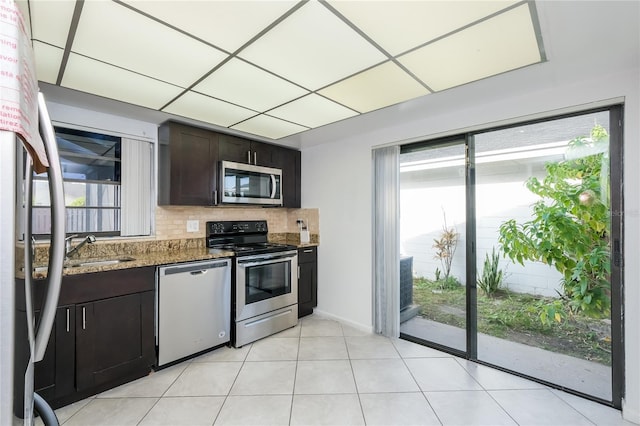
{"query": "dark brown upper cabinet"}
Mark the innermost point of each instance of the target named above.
(240, 150)
(189, 157)
(188, 164)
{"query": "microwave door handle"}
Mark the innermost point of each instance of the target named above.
(273, 186)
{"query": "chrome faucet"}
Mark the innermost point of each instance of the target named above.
(70, 250)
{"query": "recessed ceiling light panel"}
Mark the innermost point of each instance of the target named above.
(313, 48)
(376, 88)
(117, 35)
(502, 43)
(270, 127)
(51, 20)
(209, 110)
(398, 26)
(226, 24)
(88, 75)
(48, 59)
(244, 84)
(312, 111)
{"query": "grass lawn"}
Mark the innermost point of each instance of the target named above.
(515, 317)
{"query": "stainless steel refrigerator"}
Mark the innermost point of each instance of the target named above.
(16, 258)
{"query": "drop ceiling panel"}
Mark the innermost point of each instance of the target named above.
(51, 20)
(226, 24)
(48, 59)
(312, 111)
(88, 75)
(502, 43)
(270, 127)
(398, 26)
(392, 85)
(313, 48)
(115, 34)
(203, 108)
(244, 84)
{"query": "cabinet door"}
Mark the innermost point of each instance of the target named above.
(114, 339)
(307, 281)
(232, 148)
(289, 161)
(53, 375)
(263, 154)
(191, 157)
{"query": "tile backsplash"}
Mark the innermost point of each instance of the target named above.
(171, 221)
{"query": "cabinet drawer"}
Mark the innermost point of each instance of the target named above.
(307, 254)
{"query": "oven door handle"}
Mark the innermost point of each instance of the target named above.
(265, 260)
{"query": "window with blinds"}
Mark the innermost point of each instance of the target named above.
(107, 185)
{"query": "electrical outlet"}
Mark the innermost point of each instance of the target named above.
(193, 226)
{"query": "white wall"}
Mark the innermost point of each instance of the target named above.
(581, 72)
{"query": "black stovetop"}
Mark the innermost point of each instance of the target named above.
(242, 237)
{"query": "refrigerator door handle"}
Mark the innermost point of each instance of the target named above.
(58, 231)
(29, 254)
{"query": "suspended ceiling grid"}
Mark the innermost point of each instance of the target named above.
(276, 68)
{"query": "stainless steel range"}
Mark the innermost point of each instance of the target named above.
(265, 291)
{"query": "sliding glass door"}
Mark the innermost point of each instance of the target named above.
(433, 221)
(531, 216)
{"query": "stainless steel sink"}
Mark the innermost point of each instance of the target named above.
(100, 262)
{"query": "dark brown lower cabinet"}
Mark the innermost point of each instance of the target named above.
(307, 280)
(114, 338)
(102, 337)
(54, 375)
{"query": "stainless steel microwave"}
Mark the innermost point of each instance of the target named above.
(250, 184)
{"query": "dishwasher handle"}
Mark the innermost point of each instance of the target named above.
(193, 269)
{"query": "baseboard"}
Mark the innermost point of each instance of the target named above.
(360, 327)
(630, 414)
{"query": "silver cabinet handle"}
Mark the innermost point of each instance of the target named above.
(249, 157)
(68, 310)
(84, 318)
(255, 158)
(308, 251)
(298, 272)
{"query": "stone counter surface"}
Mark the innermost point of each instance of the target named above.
(143, 253)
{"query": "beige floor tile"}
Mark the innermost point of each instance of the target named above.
(263, 410)
(265, 378)
(112, 412)
(441, 374)
(398, 409)
(324, 377)
(383, 375)
(153, 385)
(184, 411)
(317, 348)
(274, 349)
(538, 407)
(310, 410)
(370, 347)
(205, 379)
(225, 354)
(320, 327)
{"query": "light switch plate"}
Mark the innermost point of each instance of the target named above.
(193, 226)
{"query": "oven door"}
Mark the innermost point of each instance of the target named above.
(265, 282)
(250, 184)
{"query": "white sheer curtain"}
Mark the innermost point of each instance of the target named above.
(386, 250)
(136, 184)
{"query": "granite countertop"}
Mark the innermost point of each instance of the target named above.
(140, 254)
(80, 266)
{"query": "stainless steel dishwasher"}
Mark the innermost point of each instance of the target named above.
(193, 308)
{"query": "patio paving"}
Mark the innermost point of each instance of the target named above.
(568, 372)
